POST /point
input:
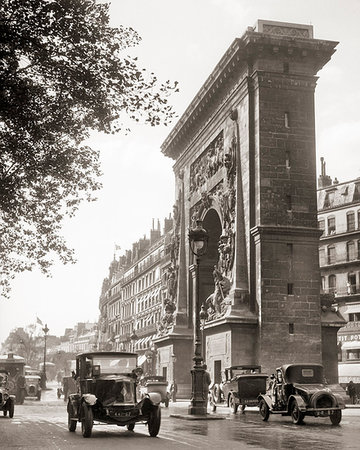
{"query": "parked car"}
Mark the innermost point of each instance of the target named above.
(241, 386)
(108, 384)
(7, 401)
(299, 390)
(155, 383)
(32, 383)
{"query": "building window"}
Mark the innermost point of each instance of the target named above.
(322, 257)
(350, 220)
(353, 354)
(321, 225)
(290, 288)
(287, 159)
(350, 251)
(288, 202)
(332, 283)
(291, 328)
(354, 317)
(287, 120)
(331, 225)
(331, 255)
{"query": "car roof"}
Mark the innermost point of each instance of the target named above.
(248, 366)
(285, 367)
(107, 354)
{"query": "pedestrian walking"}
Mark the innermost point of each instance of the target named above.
(351, 391)
(173, 390)
(206, 383)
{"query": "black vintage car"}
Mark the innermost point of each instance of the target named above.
(107, 384)
(7, 401)
(299, 390)
(32, 383)
(241, 386)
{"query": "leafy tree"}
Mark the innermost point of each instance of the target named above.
(26, 342)
(63, 72)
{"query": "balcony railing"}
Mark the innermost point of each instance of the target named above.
(343, 291)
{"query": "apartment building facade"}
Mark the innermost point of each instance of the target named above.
(339, 258)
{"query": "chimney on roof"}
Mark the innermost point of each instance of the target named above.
(324, 180)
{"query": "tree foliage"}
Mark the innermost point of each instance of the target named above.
(63, 72)
(26, 342)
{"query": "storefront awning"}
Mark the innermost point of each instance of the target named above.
(349, 370)
(348, 309)
(141, 359)
(350, 345)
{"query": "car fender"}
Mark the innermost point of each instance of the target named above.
(89, 399)
(299, 400)
(74, 403)
(339, 399)
(12, 397)
(155, 397)
(266, 398)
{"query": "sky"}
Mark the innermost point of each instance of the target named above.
(182, 41)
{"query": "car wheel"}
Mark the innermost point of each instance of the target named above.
(296, 415)
(335, 417)
(166, 402)
(233, 405)
(5, 413)
(264, 410)
(131, 426)
(39, 395)
(154, 421)
(71, 423)
(87, 420)
(11, 409)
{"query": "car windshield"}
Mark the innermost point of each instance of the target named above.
(115, 364)
(245, 371)
(304, 374)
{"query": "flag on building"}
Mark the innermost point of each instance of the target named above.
(38, 321)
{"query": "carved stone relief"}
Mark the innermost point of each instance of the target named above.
(207, 164)
(223, 198)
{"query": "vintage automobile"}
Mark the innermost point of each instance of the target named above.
(241, 386)
(299, 390)
(107, 393)
(32, 383)
(15, 366)
(155, 383)
(7, 401)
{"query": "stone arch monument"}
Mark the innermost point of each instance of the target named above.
(244, 153)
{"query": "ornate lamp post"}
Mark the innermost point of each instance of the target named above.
(45, 330)
(203, 318)
(198, 239)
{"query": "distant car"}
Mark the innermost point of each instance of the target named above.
(108, 384)
(14, 365)
(32, 383)
(7, 401)
(241, 386)
(155, 383)
(299, 390)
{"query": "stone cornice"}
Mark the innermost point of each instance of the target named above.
(237, 57)
(301, 232)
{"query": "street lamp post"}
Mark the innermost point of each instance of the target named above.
(203, 318)
(45, 330)
(198, 239)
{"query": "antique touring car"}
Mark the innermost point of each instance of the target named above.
(155, 383)
(241, 386)
(298, 390)
(107, 383)
(32, 383)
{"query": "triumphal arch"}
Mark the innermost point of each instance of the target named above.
(244, 153)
